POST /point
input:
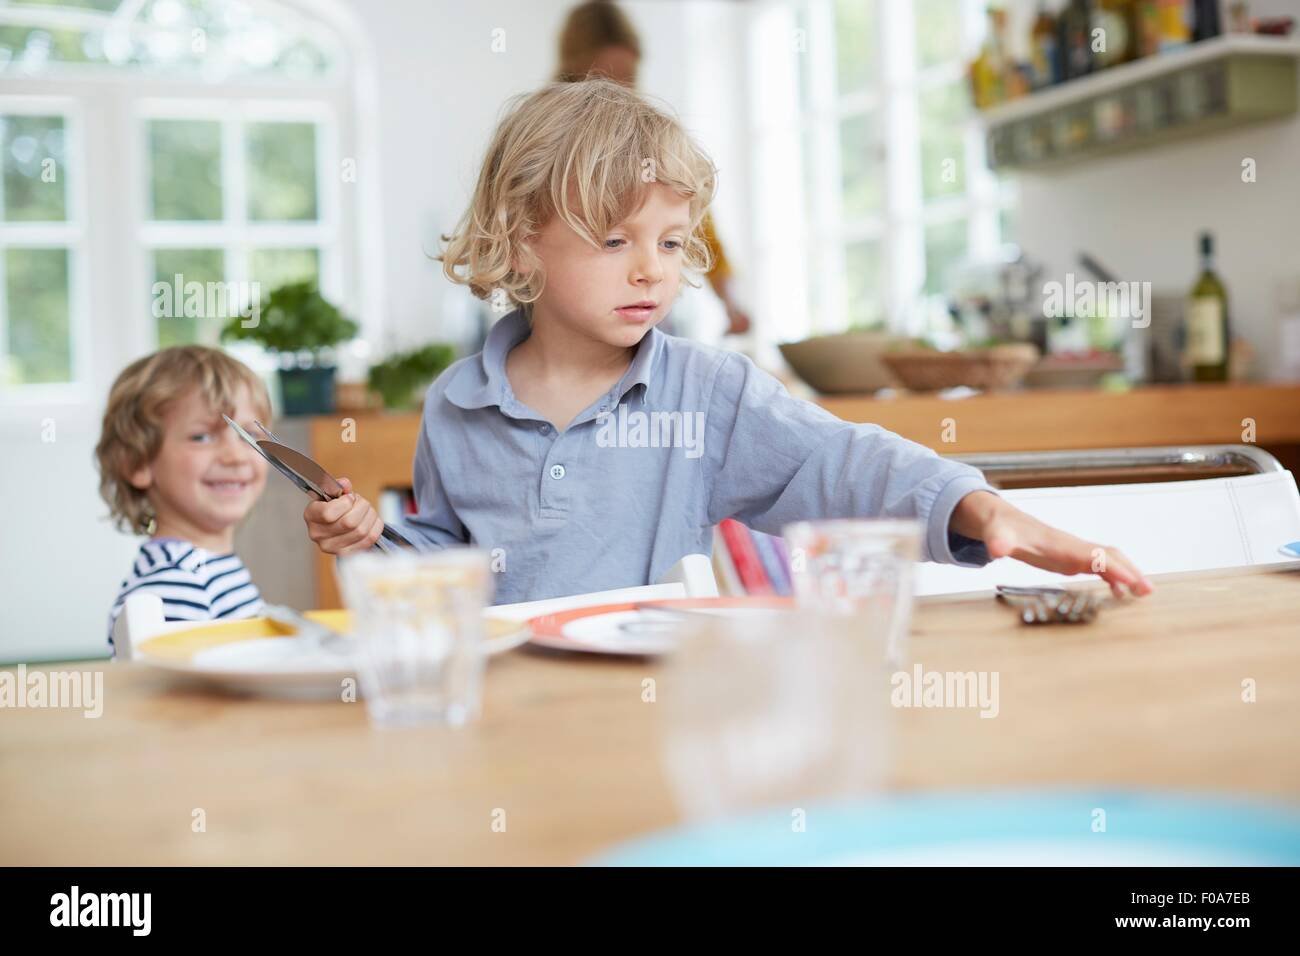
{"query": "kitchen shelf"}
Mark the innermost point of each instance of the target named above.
(1202, 88)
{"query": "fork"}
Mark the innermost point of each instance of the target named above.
(670, 619)
(1043, 605)
(267, 432)
(321, 635)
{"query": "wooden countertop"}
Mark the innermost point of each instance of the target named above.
(1061, 419)
(1150, 695)
(1023, 420)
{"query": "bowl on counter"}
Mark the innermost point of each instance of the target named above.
(992, 368)
(847, 363)
(1074, 369)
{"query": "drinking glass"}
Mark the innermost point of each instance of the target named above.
(417, 619)
(860, 568)
(774, 710)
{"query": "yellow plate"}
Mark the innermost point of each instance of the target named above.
(181, 646)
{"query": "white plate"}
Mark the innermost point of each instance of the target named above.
(623, 629)
(251, 657)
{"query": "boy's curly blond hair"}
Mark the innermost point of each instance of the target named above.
(132, 432)
(586, 152)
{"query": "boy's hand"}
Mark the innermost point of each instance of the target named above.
(1008, 532)
(347, 524)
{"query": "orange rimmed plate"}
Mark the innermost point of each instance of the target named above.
(637, 628)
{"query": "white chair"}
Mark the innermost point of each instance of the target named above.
(1164, 527)
(140, 619)
(695, 573)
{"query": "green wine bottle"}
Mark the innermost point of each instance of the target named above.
(1207, 321)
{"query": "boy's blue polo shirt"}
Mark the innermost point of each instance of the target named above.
(689, 436)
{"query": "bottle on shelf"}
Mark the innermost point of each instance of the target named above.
(1044, 52)
(1074, 31)
(1175, 29)
(1014, 78)
(1208, 340)
(999, 62)
(989, 71)
(1206, 20)
(981, 74)
(1147, 19)
(1118, 22)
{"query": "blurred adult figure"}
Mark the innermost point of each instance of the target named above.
(599, 39)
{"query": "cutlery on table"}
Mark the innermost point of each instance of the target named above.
(326, 638)
(1049, 605)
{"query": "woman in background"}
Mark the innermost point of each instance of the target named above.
(599, 39)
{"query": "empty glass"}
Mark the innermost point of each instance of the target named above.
(774, 710)
(860, 567)
(418, 623)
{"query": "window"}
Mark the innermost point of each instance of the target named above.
(870, 181)
(205, 139)
(40, 247)
(234, 198)
(209, 38)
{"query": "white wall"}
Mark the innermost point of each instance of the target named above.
(60, 561)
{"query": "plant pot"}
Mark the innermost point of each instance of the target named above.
(307, 391)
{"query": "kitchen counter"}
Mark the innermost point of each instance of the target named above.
(1062, 419)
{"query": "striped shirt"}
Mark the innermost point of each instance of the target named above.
(194, 584)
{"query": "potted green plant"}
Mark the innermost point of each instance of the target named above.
(401, 378)
(300, 325)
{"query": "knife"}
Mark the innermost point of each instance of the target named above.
(308, 476)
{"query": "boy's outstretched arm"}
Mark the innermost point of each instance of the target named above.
(774, 459)
(1008, 532)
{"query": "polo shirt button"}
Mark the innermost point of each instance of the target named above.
(544, 429)
(557, 472)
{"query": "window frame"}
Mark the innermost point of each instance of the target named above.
(892, 95)
(71, 234)
(234, 233)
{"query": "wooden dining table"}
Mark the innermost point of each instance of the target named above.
(1193, 688)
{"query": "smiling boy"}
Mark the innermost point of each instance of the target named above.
(172, 469)
(587, 213)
